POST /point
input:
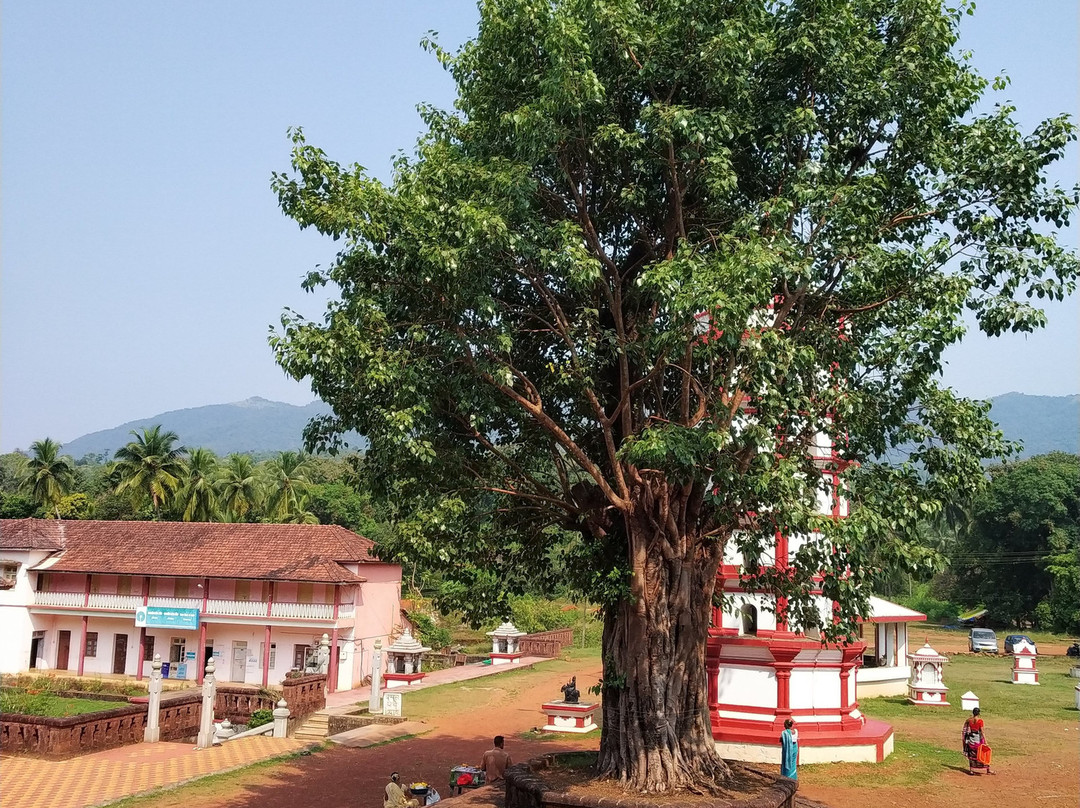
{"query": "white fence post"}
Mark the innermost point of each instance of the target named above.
(206, 717)
(281, 720)
(152, 734)
(375, 699)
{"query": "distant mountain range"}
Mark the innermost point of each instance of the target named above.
(255, 426)
(1043, 423)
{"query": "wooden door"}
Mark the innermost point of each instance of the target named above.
(239, 661)
(63, 651)
(119, 664)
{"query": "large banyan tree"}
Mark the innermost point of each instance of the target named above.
(654, 251)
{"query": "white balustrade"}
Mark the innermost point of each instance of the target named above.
(303, 611)
(119, 602)
(175, 603)
(214, 606)
(237, 608)
(75, 599)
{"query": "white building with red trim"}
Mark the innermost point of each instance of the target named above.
(262, 596)
(885, 670)
(762, 671)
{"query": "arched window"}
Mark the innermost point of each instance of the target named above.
(749, 620)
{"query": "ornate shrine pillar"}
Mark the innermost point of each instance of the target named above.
(712, 678)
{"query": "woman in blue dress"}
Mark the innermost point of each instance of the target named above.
(789, 750)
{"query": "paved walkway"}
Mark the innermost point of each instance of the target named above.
(107, 776)
(111, 775)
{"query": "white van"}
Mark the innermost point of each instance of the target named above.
(982, 639)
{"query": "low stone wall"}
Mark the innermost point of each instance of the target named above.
(343, 723)
(448, 660)
(237, 704)
(305, 694)
(41, 736)
(546, 643)
(525, 788)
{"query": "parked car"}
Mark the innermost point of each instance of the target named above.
(1013, 639)
(982, 639)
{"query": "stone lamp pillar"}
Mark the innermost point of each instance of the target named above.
(152, 733)
(375, 699)
(206, 716)
(505, 648)
(1025, 671)
(927, 683)
(404, 661)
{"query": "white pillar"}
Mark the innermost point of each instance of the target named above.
(375, 699)
(206, 717)
(324, 654)
(494, 645)
(281, 720)
(152, 734)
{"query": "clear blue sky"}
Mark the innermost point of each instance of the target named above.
(143, 254)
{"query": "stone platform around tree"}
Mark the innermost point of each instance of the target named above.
(870, 743)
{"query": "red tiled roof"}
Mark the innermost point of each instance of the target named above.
(31, 534)
(200, 549)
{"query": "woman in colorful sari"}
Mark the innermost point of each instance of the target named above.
(974, 738)
(789, 750)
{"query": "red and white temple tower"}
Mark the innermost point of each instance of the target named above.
(762, 671)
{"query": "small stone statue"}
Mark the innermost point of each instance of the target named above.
(570, 692)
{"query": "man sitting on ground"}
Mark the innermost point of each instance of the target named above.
(495, 762)
(395, 795)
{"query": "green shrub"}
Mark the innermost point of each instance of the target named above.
(429, 632)
(936, 610)
(260, 718)
(24, 703)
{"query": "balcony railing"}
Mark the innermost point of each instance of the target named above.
(215, 607)
(307, 611)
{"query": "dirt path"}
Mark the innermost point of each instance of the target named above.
(463, 720)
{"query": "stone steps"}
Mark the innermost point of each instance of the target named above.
(315, 728)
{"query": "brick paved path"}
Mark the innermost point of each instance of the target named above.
(106, 776)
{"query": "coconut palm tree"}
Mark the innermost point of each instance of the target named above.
(300, 515)
(46, 476)
(198, 494)
(238, 487)
(287, 482)
(150, 467)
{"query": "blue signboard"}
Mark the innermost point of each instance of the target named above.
(166, 617)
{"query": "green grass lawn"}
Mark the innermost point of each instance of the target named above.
(51, 706)
(911, 764)
(476, 693)
(990, 678)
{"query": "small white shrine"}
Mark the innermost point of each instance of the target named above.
(927, 683)
(969, 701)
(1025, 671)
(505, 647)
(404, 661)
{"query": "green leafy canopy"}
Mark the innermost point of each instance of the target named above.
(654, 254)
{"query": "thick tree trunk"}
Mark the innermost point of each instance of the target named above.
(656, 733)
